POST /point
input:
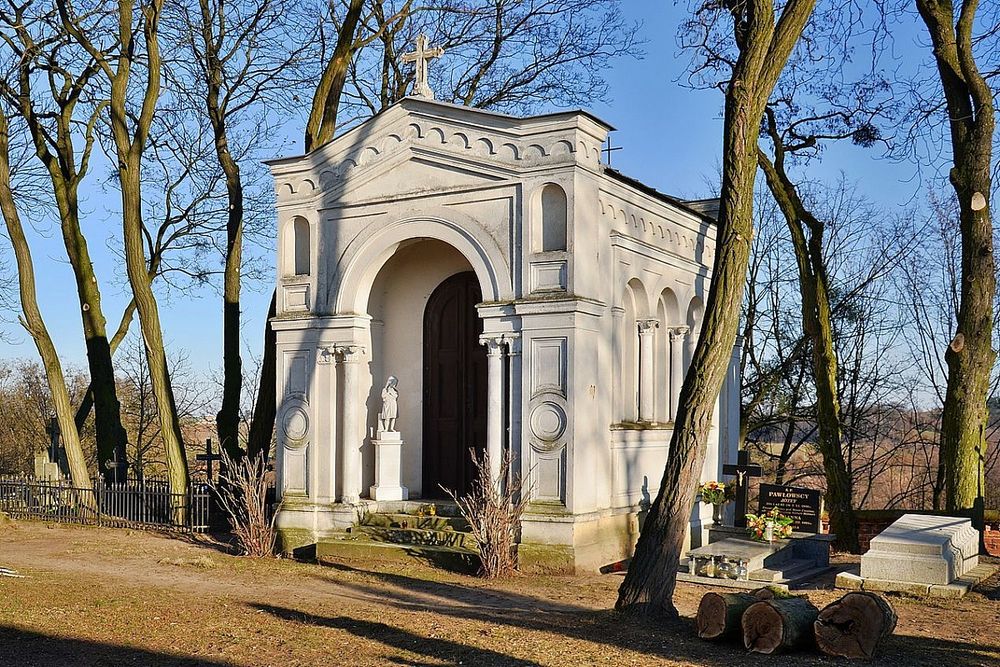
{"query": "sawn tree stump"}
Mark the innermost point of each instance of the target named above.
(719, 614)
(854, 625)
(778, 625)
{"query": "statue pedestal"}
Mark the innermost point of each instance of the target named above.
(388, 467)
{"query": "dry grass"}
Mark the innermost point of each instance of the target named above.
(106, 597)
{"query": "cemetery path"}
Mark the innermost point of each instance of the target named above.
(97, 596)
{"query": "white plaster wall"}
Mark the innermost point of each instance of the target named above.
(396, 304)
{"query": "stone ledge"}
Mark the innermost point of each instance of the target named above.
(853, 581)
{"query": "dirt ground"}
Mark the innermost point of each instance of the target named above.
(97, 596)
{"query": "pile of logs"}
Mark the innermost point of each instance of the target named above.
(851, 627)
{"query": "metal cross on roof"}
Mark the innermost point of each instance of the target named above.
(608, 148)
(420, 58)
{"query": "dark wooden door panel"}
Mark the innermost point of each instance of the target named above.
(454, 386)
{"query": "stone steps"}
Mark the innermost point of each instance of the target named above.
(413, 521)
(414, 536)
(446, 557)
(400, 534)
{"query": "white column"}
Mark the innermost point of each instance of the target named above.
(350, 436)
(494, 402)
(647, 400)
(678, 336)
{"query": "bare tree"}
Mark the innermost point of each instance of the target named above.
(33, 321)
(764, 40)
(970, 356)
(53, 90)
(111, 42)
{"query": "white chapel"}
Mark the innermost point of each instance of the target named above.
(516, 294)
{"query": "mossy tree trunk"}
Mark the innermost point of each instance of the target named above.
(53, 135)
(130, 134)
(806, 231)
(764, 47)
(970, 356)
(33, 322)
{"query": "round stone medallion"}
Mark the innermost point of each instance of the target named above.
(548, 421)
(296, 423)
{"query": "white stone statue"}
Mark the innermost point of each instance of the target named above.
(387, 416)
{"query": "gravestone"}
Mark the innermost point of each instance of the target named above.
(921, 554)
(799, 504)
(923, 549)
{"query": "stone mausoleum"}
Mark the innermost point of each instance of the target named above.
(526, 297)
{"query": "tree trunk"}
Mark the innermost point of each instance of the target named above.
(970, 356)
(34, 323)
(817, 325)
(778, 625)
(649, 584)
(322, 122)
(66, 175)
(265, 407)
(854, 625)
(130, 145)
(227, 420)
(719, 614)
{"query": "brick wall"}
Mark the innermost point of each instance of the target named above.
(870, 526)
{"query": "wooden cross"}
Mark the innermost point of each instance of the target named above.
(208, 457)
(420, 58)
(744, 469)
(607, 150)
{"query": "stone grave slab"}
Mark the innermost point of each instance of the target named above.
(739, 562)
(921, 555)
(923, 549)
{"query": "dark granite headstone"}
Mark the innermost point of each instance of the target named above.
(801, 505)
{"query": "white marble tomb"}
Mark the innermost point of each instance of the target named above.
(527, 297)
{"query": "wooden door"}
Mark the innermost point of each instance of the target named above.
(455, 392)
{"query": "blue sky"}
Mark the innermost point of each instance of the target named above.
(671, 139)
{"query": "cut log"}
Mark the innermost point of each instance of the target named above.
(855, 625)
(719, 614)
(771, 626)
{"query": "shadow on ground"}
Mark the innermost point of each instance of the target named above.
(31, 649)
(669, 641)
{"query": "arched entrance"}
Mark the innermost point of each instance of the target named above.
(455, 389)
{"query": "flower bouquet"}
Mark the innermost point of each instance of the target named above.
(716, 493)
(769, 526)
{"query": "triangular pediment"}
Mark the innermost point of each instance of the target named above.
(445, 145)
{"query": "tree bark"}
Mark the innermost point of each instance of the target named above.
(778, 625)
(970, 356)
(764, 47)
(817, 324)
(322, 121)
(35, 324)
(58, 154)
(227, 420)
(854, 625)
(130, 144)
(719, 614)
(265, 408)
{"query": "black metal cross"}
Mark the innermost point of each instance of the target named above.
(607, 150)
(208, 457)
(53, 430)
(743, 470)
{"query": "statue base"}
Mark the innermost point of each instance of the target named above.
(388, 467)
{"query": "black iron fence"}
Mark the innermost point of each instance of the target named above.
(146, 503)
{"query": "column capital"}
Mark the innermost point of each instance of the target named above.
(493, 342)
(327, 354)
(350, 352)
(646, 326)
(513, 343)
(679, 332)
